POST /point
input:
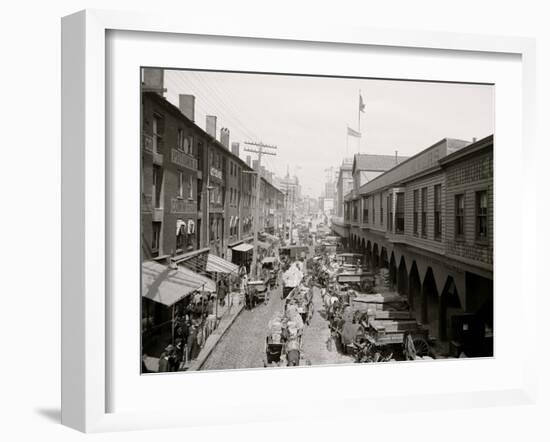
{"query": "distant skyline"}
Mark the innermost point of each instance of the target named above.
(307, 117)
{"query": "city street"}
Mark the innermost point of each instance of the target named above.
(222, 207)
(243, 344)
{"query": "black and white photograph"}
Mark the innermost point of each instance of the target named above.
(295, 220)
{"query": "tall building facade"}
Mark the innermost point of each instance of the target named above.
(429, 220)
(196, 193)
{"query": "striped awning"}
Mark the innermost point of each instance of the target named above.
(220, 265)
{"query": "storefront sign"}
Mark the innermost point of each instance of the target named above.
(216, 173)
(182, 206)
(147, 141)
(182, 159)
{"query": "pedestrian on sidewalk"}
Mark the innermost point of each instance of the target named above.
(167, 359)
(222, 292)
(244, 288)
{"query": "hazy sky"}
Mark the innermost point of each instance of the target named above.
(307, 117)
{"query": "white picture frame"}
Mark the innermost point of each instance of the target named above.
(86, 205)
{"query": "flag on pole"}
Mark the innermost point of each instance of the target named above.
(361, 104)
(353, 133)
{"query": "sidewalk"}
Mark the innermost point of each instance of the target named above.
(226, 317)
(226, 320)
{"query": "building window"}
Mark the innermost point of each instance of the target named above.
(415, 212)
(188, 145)
(481, 216)
(437, 211)
(365, 210)
(390, 212)
(155, 242)
(180, 139)
(424, 196)
(157, 186)
(181, 237)
(157, 134)
(373, 212)
(400, 213)
(190, 187)
(381, 210)
(180, 184)
(459, 215)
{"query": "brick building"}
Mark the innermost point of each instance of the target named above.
(196, 194)
(169, 180)
(429, 221)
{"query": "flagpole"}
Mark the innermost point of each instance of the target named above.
(359, 120)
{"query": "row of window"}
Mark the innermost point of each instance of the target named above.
(234, 196)
(234, 170)
(185, 185)
(420, 213)
(185, 237)
(481, 215)
(423, 214)
(184, 142)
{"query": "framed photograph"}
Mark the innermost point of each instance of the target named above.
(248, 215)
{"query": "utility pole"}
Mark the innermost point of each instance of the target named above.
(285, 202)
(260, 149)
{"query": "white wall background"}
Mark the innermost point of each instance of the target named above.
(30, 221)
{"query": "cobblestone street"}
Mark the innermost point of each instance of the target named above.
(315, 338)
(243, 344)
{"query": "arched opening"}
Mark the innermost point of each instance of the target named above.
(384, 258)
(402, 278)
(375, 256)
(429, 299)
(393, 272)
(449, 306)
(415, 293)
(479, 301)
(369, 254)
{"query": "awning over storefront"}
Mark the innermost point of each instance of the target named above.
(206, 283)
(220, 265)
(167, 286)
(243, 247)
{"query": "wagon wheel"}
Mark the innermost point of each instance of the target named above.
(421, 346)
(373, 353)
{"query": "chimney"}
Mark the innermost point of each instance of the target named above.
(153, 80)
(187, 106)
(255, 165)
(396, 162)
(224, 137)
(235, 149)
(248, 160)
(474, 140)
(211, 121)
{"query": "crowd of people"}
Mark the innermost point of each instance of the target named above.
(192, 323)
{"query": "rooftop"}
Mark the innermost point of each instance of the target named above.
(378, 163)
